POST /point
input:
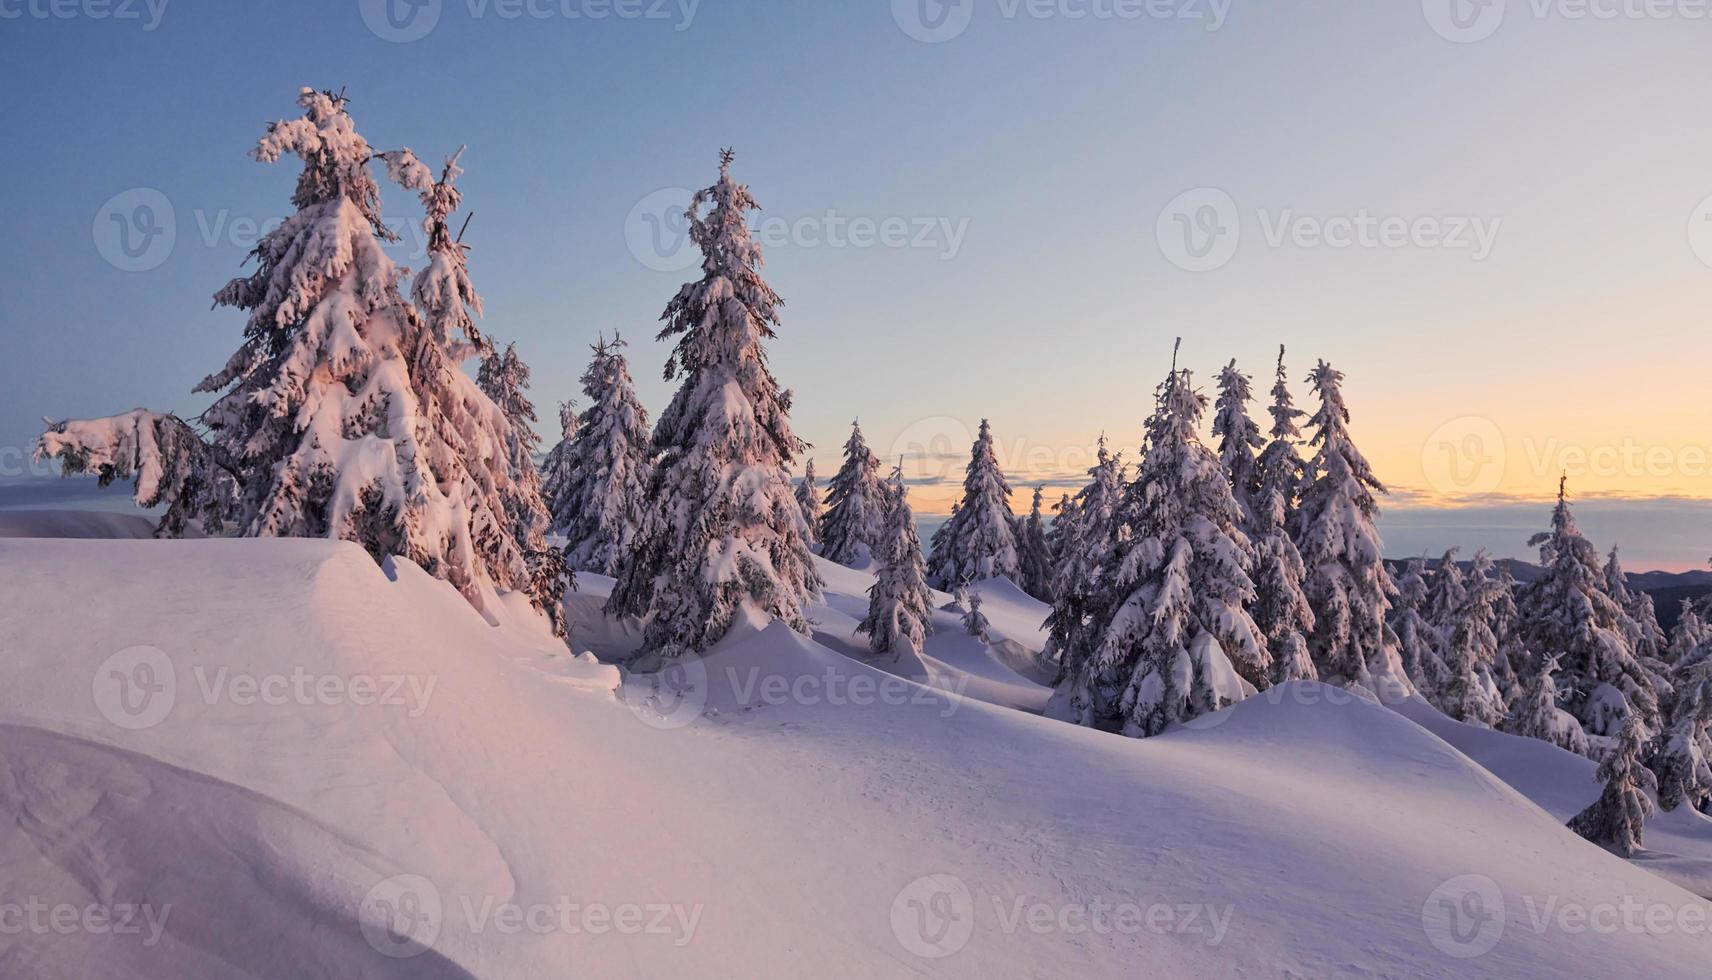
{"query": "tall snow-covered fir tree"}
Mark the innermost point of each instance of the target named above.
(1346, 585)
(808, 498)
(1239, 440)
(1447, 591)
(727, 532)
(1683, 759)
(1567, 613)
(601, 503)
(1280, 608)
(1536, 713)
(1087, 533)
(556, 465)
(856, 504)
(1469, 691)
(1175, 640)
(1617, 818)
(477, 440)
(504, 377)
(900, 609)
(1034, 552)
(1419, 645)
(1688, 633)
(320, 420)
(1642, 627)
(979, 541)
(1486, 574)
(1282, 470)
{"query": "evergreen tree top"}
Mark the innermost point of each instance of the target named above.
(1337, 458)
(335, 157)
(1284, 411)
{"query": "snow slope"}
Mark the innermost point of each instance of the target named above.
(319, 764)
(1679, 844)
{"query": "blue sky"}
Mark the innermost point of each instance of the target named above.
(1543, 297)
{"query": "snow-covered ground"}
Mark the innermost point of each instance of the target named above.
(274, 758)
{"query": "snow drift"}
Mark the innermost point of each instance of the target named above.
(299, 764)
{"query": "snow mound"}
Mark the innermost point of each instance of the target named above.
(1679, 844)
(499, 812)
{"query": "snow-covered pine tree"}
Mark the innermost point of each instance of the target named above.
(556, 466)
(900, 608)
(602, 500)
(319, 421)
(974, 620)
(1280, 607)
(1447, 593)
(1646, 635)
(1282, 470)
(1568, 613)
(1536, 713)
(1617, 818)
(1239, 441)
(979, 541)
(1347, 585)
(475, 440)
(1419, 644)
(727, 532)
(504, 378)
(856, 503)
(808, 498)
(1087, 532)
(1175, 640)
(1034, 552)
(1683, 760)
(1469, 693)
(1484, 573)
(1688, 633)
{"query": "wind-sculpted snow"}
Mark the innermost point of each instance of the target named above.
(503, 813)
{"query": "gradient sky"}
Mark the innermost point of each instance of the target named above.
(1043, 154)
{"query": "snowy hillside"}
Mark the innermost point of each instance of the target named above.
(273, 758)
